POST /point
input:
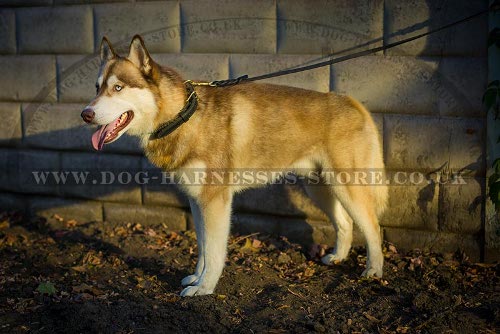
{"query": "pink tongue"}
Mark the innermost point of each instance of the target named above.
(101, 133)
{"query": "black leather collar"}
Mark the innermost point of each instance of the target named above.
(182, 117)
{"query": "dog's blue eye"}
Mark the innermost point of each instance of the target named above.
(118, 88)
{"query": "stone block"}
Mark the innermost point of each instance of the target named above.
(252, 65)
(252, 223)
(28, 78)
(308, 232)
(378, 119)
(126, 144)
(435, 241)
(7, 31)
(228, 26)
(167, 194)
(196, 67)
(461, 204)
(59, 126)
(327, 27)
(174, 218)
(157, 22)
(413, 206)
(491, 254)
(158, 192)
(9, 165)
(77, 2)
(463, 83)
(66, 29)
(404, 19)
(82, 211)
(280, 200)
(429, 143)
(10, 127)
(303, 231)
(390, 84)
(31, 165)
(110, 177)
(77, 77)
(20, 3)
(12, 202)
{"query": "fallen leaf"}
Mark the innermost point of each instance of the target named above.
(173, 236)
(4, 225)
(82, 288)
(86, 288)
(402, 329)
(46, 288)
(8, 239)
(57, 217)
(92, 258)
(415, 263)
(79, 269)
(392, 249)
(71, 223)
(121, 231)
(150, 232)
(248, 247)
(309, 272)
(256, 243)
(284, 258)
(370, 317)
(317, 251)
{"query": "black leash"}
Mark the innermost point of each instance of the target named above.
(246, 78)
(192, 101)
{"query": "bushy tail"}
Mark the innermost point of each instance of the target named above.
(373, 145)
(381, 191)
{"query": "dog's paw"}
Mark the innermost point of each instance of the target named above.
(331, 259)
(195, 290)
(190, 280)
(371, 272)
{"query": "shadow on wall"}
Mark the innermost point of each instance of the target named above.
(73, 183)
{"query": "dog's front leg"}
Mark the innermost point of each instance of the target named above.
(216, 213)
(198, 225)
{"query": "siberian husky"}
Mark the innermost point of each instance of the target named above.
(243, 126)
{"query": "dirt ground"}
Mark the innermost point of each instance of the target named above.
(61, 275)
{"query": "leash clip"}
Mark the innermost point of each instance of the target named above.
(211, 83)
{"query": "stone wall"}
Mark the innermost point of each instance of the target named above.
(425, 96)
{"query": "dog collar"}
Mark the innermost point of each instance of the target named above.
(182, 117)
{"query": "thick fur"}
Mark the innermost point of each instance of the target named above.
(249, 125)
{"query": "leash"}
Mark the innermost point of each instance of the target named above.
(192, 101)
(246, 78)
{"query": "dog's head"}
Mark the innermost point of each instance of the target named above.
(125, 98)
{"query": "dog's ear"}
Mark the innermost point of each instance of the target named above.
(107, 52)
(139, 55)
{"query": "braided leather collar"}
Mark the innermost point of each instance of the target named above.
(182, 117)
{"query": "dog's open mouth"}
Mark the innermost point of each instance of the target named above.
(109, 132)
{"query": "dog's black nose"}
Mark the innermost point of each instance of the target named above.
(88, 115)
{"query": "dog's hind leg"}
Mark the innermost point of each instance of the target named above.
(323, 196)
(216, 212)
(198, 224)
(359, 202)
